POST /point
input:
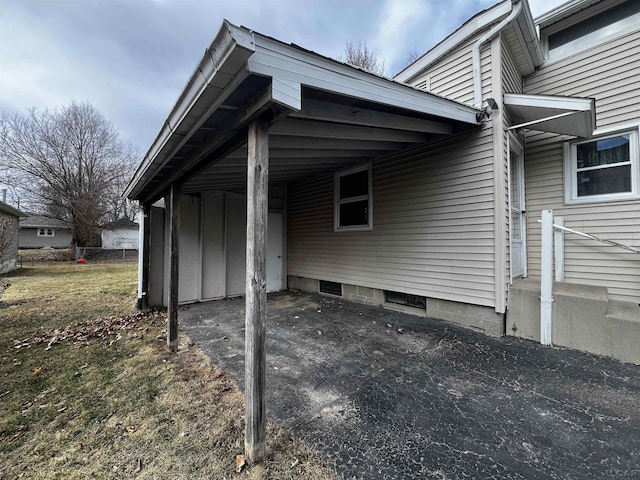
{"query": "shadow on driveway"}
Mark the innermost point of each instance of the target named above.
(434, 401)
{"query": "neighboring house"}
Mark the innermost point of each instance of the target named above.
(38, 231)
(423, 193)
(9, 218)
(123, 233)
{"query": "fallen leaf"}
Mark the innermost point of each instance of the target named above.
(138, 466)
(240, 463)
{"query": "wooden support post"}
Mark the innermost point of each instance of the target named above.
(174, 246)
(146, 253)
(256, 290)
(546, 278)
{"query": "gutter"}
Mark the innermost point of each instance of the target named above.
(226, 42)
(477, 75)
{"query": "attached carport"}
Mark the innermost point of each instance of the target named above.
(259, 114)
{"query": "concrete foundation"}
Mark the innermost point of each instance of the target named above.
(583, 318)
(476, 317)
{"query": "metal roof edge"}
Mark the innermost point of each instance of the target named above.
(297, 54)
(5, 207)
(228, 39)
(562, 11)
(451, 42)
(532, 41)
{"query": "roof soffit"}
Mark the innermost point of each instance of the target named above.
(555, 114)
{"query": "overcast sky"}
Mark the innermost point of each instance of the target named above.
(131, 58)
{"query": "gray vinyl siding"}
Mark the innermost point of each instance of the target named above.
(433, 230)
(28, 238)
(609, 73)
(452, 76)
(433, 211)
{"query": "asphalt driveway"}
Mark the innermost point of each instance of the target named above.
(383, 395)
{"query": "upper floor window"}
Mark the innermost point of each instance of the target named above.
(602, 169)
(353, 200)
(594, 30)
(46, 232)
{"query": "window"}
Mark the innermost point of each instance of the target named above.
(332, 288)
(602, 169)
(46, 232)
(409, 300)
(598, 28)
(353, 199)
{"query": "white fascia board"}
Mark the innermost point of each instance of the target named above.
(5, 207)
(530, 38)
(229, 41)
(454, 40)
(562, 11)
(287, 63)
(550, 101)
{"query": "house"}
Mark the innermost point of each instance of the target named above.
(421, 193)
(38, 231)
(569, 113)
(9, 218)
(122, 233)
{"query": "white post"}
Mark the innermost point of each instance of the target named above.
(546, 280)
(558, 247)
(141, 291)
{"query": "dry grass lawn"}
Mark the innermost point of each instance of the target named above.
(105, 399)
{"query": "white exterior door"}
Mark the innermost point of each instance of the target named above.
(274, 253)
(517, 211)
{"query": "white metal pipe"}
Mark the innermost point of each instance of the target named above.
(141, 293)
(558, 239)
(477, 74)
(546, 279)
(598, 239)
(534, 122)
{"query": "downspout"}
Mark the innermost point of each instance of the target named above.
(141, 287)
(477, 74)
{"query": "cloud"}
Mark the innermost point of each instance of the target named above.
(131, 59)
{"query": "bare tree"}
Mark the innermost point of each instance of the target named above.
(360, 56)
(68, 163)
(412, 57)
(8, 231)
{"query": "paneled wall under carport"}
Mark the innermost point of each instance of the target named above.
(213, 247)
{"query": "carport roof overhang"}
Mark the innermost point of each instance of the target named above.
(324, 115)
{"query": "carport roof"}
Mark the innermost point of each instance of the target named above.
(325, 115)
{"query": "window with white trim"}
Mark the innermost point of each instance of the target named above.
(46, 232)
(599, 27)
(601, 169)
(353, 199)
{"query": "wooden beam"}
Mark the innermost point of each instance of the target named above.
(221, 141)
(174, 264)
(146, 254)
(241, 153)
(335, 112)
(311, 128)
(256, 290)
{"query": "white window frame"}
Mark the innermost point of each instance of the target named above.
(337, 201)
(563, 53)
(46, 232)
(569, 150)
